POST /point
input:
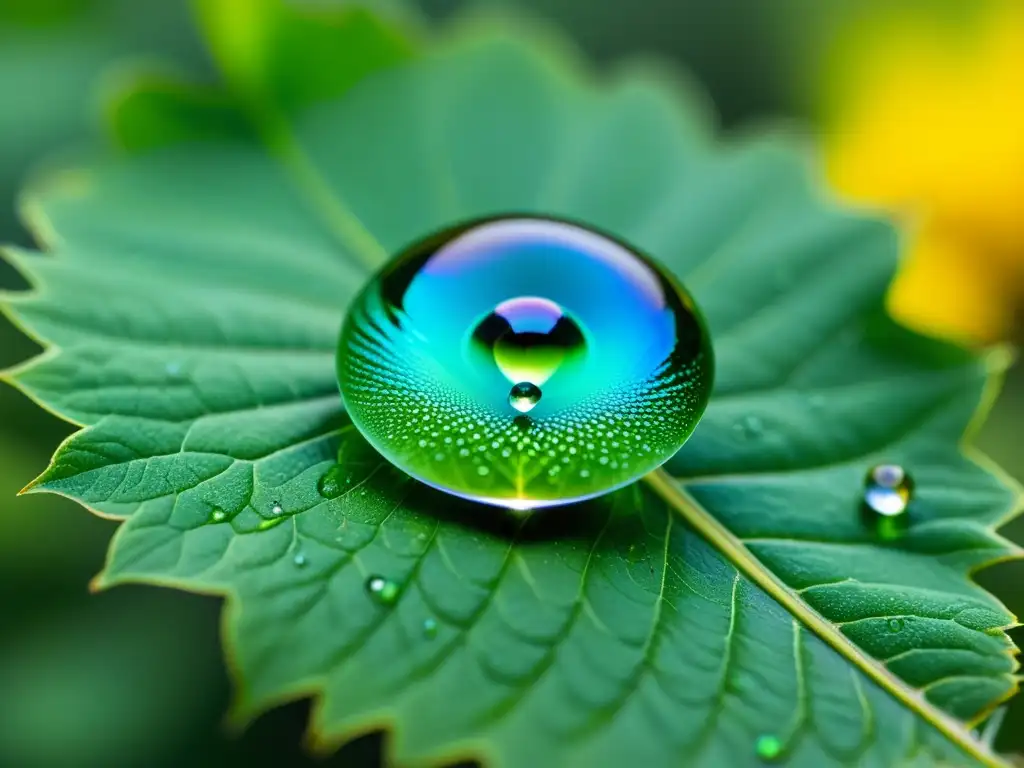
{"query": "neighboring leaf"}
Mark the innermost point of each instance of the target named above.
(275, 57)
(192, 307)
(49, 59)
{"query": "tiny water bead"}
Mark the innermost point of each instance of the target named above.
(524, 362)
(769, 747)
(888, 489)
(383, 590)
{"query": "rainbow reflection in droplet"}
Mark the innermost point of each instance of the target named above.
(524, 362)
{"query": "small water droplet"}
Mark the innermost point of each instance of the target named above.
(300, 560)
(896, 625)
(523, 396)
(888, 489)
(218, 515)
(333, 482)
(429, 628)
(383, 590)
(276, 508)
(769, 747)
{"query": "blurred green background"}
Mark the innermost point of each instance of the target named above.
(134, 677)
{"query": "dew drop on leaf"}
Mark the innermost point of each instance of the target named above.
(276, 508)
(445, 351)
(887, 493)
(218, 515)
(333, 482)
(300, 560)
(769, 747)
(429, 628)
(896, 625)
(383, 590)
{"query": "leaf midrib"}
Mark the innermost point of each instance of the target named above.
(716, 534)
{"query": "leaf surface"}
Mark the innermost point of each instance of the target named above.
(191, 307)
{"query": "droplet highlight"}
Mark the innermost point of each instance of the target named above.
(383, 590)
(524, 362)
(888, 490)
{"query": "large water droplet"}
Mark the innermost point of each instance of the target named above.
(445, 351)
(769, 747)
(383, 590)
(887, 493)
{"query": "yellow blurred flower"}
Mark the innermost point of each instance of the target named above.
(926, 119)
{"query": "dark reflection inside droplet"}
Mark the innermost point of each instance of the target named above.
(529, 338)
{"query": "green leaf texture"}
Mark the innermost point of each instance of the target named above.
(190, 307)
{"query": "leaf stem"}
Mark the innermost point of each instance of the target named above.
(737, 553)
(335, 213)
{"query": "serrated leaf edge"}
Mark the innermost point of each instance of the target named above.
(734, 550)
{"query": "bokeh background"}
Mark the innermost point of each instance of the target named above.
(915, 107)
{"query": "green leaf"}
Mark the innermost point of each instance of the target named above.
(190, 309)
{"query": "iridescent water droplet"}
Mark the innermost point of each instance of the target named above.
(429, 628)
(523, 396)
(334, 482)
(383, 590)
(769, 747)
(888, 489)
(447, 348)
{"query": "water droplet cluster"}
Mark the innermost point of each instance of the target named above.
(524, 362)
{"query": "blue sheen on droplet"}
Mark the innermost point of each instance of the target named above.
(457, 338)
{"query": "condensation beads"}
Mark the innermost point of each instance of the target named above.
(524, 362)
